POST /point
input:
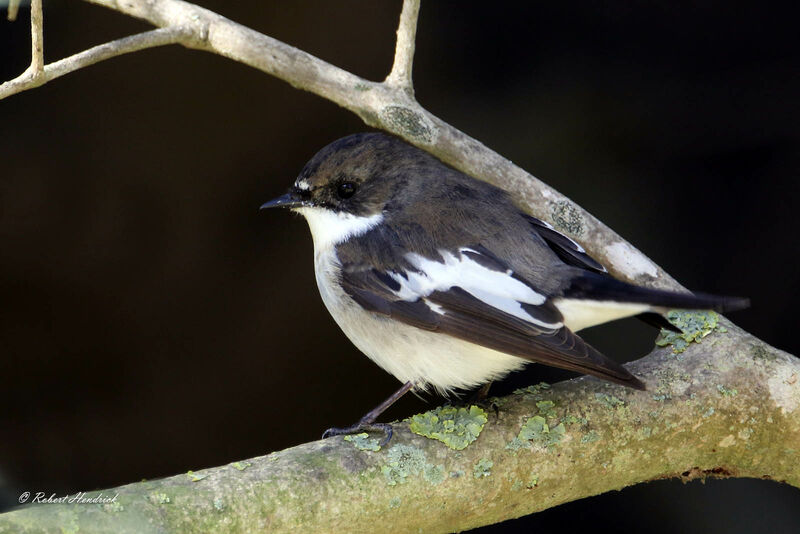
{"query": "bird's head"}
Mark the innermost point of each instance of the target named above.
(350, 176)
(347, 186)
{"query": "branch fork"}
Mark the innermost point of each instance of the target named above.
(400, 76)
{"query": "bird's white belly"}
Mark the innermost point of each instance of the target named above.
(410, 354)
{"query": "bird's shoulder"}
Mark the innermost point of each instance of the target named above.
(495, 234)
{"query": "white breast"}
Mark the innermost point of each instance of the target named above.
(409, 353)
(329, 227)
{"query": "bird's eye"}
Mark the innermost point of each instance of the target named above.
(346, 189)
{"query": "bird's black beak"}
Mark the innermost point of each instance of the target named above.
(292, 199)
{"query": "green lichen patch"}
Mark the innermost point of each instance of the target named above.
(409, 122)
(532, 390)
(610, 401)
(590, 437)
(695, 325)
(760, 352)
(726, 392)
(546, 408)
(113, 506)
(533, 481)
(159, 498)
(195, 477)
(534, 428)
(483, 468)
(557, 433)
(404, 461)
(395, 502)
(572, 420)
(240, 466)
(219, 505)
(363, 442)
(567, 217)
(517, 444)
(455, 427)
(537, 430)
(434, 474)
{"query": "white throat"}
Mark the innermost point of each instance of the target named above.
(329, 228)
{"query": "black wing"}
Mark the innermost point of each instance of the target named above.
(458, 313)
(573, 254)
(565, 248)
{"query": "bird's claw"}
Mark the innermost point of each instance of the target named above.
(357, 428)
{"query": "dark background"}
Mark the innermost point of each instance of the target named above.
(153, 321)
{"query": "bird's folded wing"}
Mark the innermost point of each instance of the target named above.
(472, 296)
(565, 248)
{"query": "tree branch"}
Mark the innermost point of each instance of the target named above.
(37, 37)
(726, 407)
(13, 9)
(34, 78)
(392, 109)
(400, 75)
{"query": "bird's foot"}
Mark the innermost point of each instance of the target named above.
(359, 427)
(367, 423)
(480, 395)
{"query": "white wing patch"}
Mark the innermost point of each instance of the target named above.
(434, 307)
(498, 289)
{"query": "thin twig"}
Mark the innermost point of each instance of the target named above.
(404, 50)
(126, 45)
(13, 9)
(37, 37)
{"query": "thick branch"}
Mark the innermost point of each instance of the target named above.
(729, 406)
(126, 45)
(392, 109)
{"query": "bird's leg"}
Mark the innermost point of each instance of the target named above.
(367, 422)
(480, 394)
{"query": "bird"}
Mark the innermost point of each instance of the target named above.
(446, 282)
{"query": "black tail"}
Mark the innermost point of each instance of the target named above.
(598, 286)
(658, 321)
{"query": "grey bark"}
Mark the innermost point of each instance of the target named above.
(720, 402)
